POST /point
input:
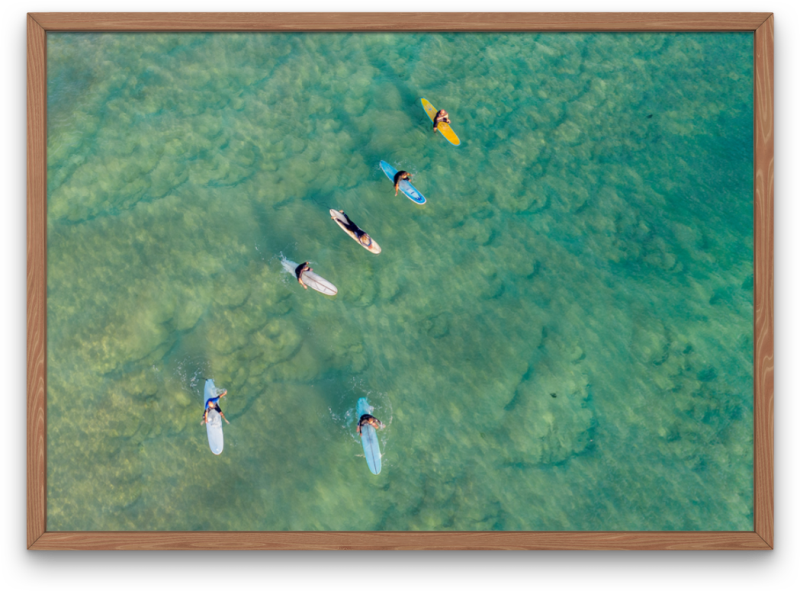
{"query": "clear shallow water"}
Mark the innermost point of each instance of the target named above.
(560, 339)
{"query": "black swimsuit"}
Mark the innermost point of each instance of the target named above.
(398, 177)
(300, 269)
(354, 229)
(216, 408)
(364, 420)
(350, 225)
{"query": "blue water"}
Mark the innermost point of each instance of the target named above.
(559, 339)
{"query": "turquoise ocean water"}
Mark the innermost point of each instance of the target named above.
(560, 339)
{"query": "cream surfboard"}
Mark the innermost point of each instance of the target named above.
(363, 238)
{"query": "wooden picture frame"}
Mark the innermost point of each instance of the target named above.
(39, 24)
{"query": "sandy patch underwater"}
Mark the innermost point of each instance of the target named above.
(560, 338)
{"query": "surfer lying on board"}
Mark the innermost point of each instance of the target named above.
(302, 268)
(441, 117)
(368, 420)
(401, 175)
(213, 404)
(350, 226)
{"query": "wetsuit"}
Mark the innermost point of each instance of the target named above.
(365, 420)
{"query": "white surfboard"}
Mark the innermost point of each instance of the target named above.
(214, 426)
(341, 221)
(311, 279)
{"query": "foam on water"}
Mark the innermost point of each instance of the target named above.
(559, 339)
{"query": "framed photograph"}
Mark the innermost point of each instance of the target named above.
(400, 281)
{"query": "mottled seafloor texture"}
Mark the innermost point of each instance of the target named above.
(560, 339)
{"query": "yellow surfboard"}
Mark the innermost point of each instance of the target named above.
(446, 130)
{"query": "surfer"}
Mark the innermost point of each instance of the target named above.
(302, 268)
(351, 227)
(441, 117)
(401, 175)
(213, 404)
(368, 420)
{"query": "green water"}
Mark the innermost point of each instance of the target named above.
(560, 339)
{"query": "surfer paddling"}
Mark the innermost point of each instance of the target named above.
(302, 268)
(213, 404)
(368, 420)
(351, 228)
(441, 117)
(401, 175)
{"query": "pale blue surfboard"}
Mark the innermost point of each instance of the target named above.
(407, 188)
(214, 426)
(369, 438)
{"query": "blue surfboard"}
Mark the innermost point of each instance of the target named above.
(407, 188)
(214, 426)
(369, 438)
